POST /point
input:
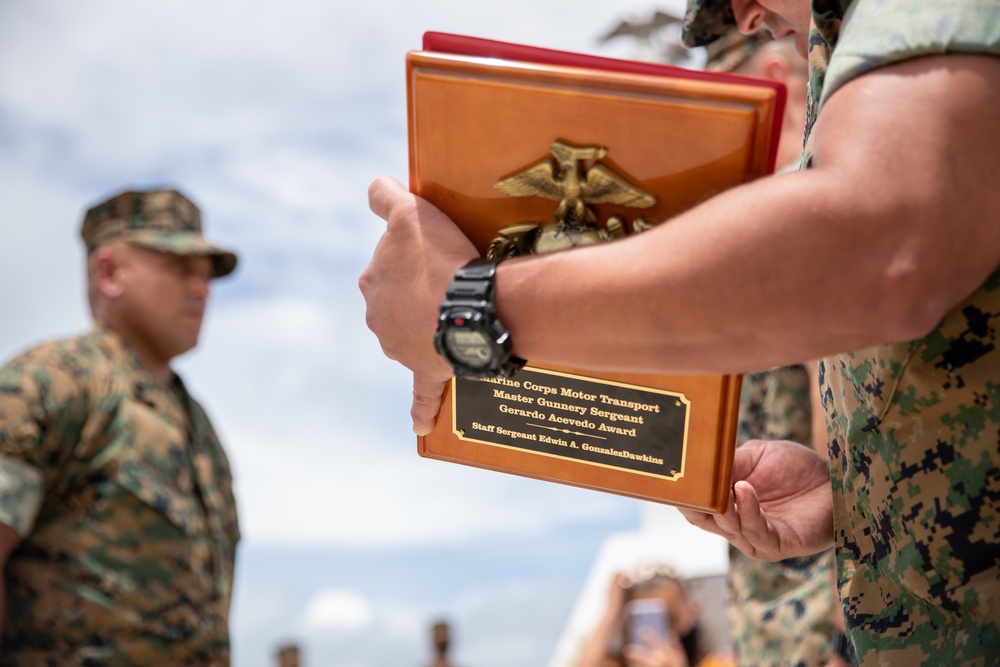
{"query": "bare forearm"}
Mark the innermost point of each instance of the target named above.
(732, 285)
(595, 649)
(3, 611)
(873, 245)
(869, 247)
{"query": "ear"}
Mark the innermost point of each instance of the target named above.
(775, 66)
(106, 272)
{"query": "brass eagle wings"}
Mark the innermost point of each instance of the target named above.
(568, 181)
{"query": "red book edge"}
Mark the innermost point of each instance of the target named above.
(463, 45)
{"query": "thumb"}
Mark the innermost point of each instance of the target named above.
(426, 403)
(753, 521)
(383, 194)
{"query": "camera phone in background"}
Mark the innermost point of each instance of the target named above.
(647, 613)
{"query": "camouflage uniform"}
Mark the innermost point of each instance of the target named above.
(123, 497)
(118, 488)
(779, 614)
(914, 427)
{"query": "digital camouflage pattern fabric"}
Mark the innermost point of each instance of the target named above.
(706, 21)
(852, 37)
(780, 614)
(914, 427)
(122, 495)
(162, 220)
(915, 453)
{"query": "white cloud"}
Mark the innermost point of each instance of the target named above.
(342, 628)
(338, 611)
(503, 624)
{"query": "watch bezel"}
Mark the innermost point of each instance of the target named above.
(469, 298)
(473, 319)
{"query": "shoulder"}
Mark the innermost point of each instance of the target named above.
(64, 359)
(84, 349)
(878, 33)
(58, 369)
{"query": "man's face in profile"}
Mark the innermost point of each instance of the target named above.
(164, 298)
(782, 18)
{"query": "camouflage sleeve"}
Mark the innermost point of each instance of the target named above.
(39, 415)
(877, 33)
(20, 494)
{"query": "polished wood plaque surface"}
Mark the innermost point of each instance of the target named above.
(475, 121)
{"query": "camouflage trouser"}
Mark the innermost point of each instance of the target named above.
(915, 464)
(780, 614)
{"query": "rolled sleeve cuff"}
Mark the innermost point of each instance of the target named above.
(877, 33)
(20, 494)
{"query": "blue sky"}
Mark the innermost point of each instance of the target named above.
(274, 117)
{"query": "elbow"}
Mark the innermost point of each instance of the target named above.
(912, 302)
(916, 321)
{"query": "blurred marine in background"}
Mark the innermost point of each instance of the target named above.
(118, 525)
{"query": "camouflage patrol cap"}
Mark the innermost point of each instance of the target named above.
(706, 21)
(729, 52)
(163, 220)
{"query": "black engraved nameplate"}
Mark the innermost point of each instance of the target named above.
(584, 419)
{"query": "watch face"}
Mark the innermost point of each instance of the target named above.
(469, 347)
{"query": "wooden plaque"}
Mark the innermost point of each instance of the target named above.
(474, 121)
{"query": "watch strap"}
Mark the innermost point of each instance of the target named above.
(478, 292)
(477, 269)
(473, 282)
(841, 646)
(473, 286)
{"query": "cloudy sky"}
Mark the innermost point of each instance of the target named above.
(274, 117)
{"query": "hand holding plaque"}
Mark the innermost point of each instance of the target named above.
(397, 269)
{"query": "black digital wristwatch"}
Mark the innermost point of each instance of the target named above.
(469, 336)
(841, 646)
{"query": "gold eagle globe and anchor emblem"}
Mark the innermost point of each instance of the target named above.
(576, 187)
